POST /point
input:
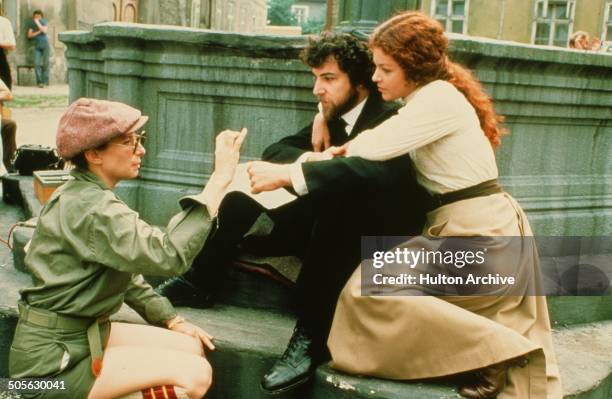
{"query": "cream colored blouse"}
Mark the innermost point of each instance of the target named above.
(441, 131)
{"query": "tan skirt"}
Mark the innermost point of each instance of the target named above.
(416, 337)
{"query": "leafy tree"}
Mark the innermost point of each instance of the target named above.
(279, 13)
(313, 27)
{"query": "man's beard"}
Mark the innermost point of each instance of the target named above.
(337, 110)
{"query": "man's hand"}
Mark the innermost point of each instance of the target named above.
(320, 138)
(266, 176)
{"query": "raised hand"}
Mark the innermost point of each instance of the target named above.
(227, 153)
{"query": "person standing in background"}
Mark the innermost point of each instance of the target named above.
(9, 131)
(37, 31)
(7, 43)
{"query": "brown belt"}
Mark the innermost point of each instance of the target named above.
(483, 189)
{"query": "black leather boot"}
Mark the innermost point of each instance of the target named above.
(296, 366)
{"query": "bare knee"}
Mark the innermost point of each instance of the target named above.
(199, 379)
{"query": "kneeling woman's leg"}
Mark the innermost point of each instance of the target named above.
(126, 334)
(139, 357)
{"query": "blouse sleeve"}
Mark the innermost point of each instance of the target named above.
(430, 114)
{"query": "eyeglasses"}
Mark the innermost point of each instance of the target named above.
(135, 140)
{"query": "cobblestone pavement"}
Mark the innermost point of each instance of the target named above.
(37, 111)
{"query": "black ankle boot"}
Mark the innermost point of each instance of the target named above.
(296, 366)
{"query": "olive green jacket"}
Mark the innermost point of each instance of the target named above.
(90, 250)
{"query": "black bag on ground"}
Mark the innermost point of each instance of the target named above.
(31, 157)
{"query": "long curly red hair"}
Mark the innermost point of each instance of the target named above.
(418, 44)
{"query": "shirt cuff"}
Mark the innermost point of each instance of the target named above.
(189, 200)
(297, 178)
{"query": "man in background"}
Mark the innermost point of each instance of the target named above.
(37, 31)
(8, 129)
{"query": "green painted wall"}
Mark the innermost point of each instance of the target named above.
(194, 83)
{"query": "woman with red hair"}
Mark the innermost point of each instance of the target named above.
(449, 127)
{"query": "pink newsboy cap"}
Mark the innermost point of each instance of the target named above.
(89, 123)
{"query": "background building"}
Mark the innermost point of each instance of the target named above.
(63, 15)
(543, 22)
(540, 22)
(311, 10)
(227, 15)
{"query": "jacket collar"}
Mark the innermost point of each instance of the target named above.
(374, 109)
(86, 175)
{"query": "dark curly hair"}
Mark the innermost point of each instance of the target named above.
(353, 56)
(418, 44)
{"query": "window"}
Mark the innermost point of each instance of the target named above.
(301, 14)
(452, 14)
(606, 36)
(553, 21)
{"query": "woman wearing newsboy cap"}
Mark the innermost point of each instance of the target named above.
(87, 256)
